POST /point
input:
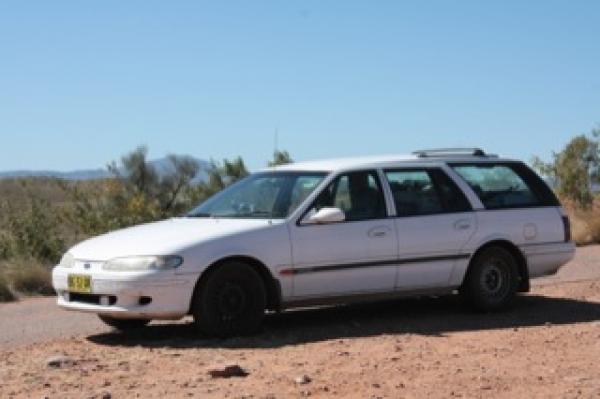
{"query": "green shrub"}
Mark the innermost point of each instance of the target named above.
(7, 247)
(32, 232)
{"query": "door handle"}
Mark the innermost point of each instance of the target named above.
(462, 224)
(377, 232)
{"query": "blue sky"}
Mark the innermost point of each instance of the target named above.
(83, 82)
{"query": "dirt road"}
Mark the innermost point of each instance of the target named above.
(39, 319)
(547, 346)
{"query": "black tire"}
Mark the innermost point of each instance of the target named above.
(124, 324)
(492, 280)
(230, 301)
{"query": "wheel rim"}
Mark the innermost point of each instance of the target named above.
(494, 278)
(232, 301)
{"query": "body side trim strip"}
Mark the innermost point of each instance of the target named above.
(386, 262)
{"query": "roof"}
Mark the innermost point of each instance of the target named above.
(337, 164)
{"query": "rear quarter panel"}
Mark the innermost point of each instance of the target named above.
(527, 228)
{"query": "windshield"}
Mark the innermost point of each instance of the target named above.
(269, 195)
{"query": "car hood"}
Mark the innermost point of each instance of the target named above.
(162, 238)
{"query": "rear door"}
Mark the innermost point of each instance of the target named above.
(434, 220)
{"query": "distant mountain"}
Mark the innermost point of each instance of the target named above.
(86, 174)
(162, 165)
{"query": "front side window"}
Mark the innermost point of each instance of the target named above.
(358, 194)
(498, 185)
(271, 195)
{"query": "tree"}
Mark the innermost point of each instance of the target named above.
(171, 186)
(575, 168)
(280, 158)
(135, 171)
(234, 170)
(147, 194)
(220, 175)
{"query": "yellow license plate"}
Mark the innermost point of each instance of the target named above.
(80, 283)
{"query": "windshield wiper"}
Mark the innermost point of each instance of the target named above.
(245, 214)
(198, 215)
(256, 213)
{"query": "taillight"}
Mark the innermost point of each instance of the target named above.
(567, 228)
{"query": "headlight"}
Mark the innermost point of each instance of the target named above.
(137, 263)
(67, 260)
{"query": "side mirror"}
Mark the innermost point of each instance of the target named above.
(325, 215)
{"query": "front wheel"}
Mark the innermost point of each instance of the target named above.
(492, 280)
(124, 324)
(230, 301)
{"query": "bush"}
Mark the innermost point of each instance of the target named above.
(29, 277)
(7, 245)
(575, 169)
(585, 223)
(6, 295)
(32, 232)
(581, 232)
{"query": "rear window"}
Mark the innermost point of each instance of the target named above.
(506, 185)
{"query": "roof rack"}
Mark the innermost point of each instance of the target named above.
(450, 152)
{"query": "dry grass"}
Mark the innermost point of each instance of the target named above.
(585, 223)
(6, 295)
(24, 276)
(31, 278)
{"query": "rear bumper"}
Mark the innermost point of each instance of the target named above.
(159, 295)
(545, 259)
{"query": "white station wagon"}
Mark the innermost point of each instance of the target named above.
(334, 231)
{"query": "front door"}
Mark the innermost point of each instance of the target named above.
(355, 256)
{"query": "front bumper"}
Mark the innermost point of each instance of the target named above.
(148, 295)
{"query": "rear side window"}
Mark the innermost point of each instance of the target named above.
(453, 198)
(506, 185)
(425, 192)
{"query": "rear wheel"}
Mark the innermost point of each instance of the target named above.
(124, 324)
(230, 301)
(492, 280)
